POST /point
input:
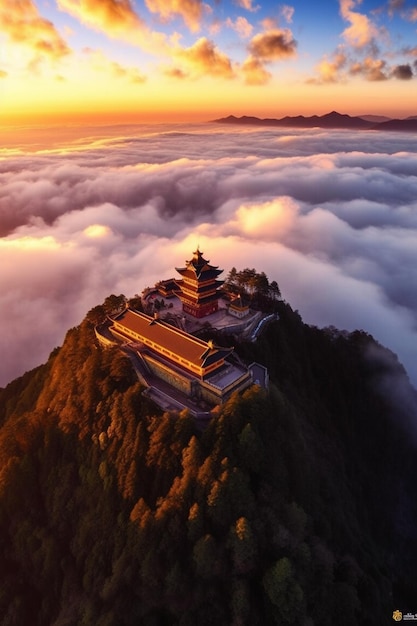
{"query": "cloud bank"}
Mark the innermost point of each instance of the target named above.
(332, 216)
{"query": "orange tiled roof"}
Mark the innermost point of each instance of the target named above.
(162, 334)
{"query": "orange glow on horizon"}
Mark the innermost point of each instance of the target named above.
(81, 65)
(164, 102)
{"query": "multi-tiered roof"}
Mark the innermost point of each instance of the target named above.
(199, 287)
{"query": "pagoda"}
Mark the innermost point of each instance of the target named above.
(199, 287)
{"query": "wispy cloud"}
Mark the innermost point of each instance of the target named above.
(403, 72)
(330, 70)
(399, 6)
(248, 5)
(191, 11)
(362, 29)
(23, 25)
(254, 72)
(287, 13)
(241, 26)
(204, 59)
(111, 16)
(365, 51)
(395, 5)
(100, 62)
(273, 45)
(117, 19)
(371, 69)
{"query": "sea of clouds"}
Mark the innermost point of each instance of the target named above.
(330, 215)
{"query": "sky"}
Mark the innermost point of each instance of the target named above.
(125, 61)
(330, 215)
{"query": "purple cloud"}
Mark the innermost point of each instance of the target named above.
(331, 216)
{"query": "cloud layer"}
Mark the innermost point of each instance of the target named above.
(332, 216)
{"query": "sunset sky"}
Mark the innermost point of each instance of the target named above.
(113, 61)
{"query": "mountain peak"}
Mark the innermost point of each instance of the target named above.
(335, 114)
(334, 120)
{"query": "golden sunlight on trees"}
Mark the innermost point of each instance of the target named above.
(243, 546)
(260, 518)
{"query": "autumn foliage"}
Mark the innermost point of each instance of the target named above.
(294, 506)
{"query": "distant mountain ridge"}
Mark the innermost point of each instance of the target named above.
(329, 120)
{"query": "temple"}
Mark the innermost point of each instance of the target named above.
(197, 368)
(178, 368)
(199, 287)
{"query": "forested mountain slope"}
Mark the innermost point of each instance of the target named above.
(292, 507)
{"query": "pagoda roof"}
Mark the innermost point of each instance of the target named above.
(198, 266)
(164, 335)
(166, 287)
(206, 273)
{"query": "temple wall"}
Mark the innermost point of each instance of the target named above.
(210, 395)
(239, 313)
(182, 383)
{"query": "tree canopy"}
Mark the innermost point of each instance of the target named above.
(255, 285)
(296, 506)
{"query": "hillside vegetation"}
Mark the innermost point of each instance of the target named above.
(296, 506)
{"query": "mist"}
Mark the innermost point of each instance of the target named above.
(330, 215)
